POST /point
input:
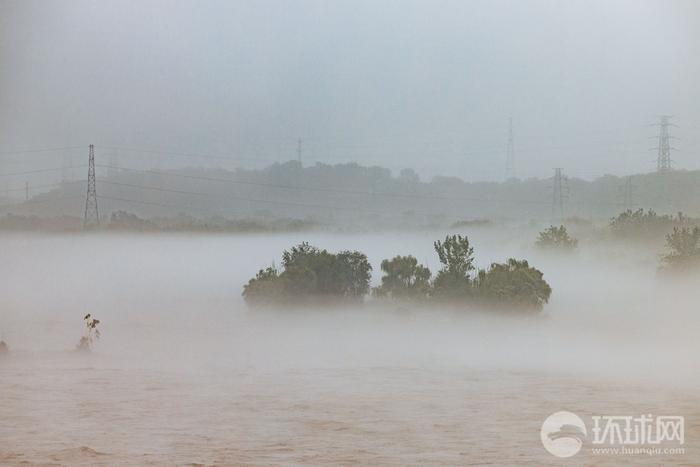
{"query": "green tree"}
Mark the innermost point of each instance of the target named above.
(457, 258)
(310, 272)
(513, 284)
(642, 224)
(556, 238)
(404, 278)
(685, 250)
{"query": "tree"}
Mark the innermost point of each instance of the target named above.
(404, 278)
(265, 288)
(644, 225)
(354, 273)
(310, 272)
(556, 238)
(685, 251)
(513, 284)
(457, 258)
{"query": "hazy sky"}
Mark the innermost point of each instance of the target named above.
(423, 84)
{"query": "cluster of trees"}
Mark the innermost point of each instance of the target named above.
(309, 275)
(556, 238)
(642, 224)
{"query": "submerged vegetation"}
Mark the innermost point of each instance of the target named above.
(91, 333)
(684, 246)
(645, 225)
(404, 278)
(556, 238)
(311, 275)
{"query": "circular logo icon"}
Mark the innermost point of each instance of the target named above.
(563, 433)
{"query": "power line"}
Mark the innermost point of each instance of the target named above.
(318, 189)
(29, 172)
(29, 151)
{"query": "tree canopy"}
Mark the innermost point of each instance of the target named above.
(556, 238)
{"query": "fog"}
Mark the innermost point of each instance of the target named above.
(173, 322)
(225, 133)
(427, 85)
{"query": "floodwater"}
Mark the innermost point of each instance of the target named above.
(185, 374)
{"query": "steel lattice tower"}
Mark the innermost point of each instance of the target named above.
(92, 215)
(510, 152)
(663, 160)
(558, 194)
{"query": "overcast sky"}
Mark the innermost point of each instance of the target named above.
(422, 84)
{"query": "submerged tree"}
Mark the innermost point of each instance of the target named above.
(91, 333)
(642, 224)
(309, 272)
(404, 278)
(457, 258)
(556, 238)
(513, 284)
(684, 244)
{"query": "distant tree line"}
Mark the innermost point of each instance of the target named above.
(309, 275)
(124, 221)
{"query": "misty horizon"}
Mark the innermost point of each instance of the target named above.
(401, 85)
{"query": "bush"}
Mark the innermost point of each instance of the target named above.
(556, 238)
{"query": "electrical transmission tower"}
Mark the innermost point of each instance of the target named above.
(627, 194)
(299, 147)
(663, 160)
(510, 152)
(92, 215)
(560, 191)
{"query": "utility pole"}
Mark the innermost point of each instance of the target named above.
(510, 152)
(92, 215)
(663, 159)
(299, 146)
(558, 194)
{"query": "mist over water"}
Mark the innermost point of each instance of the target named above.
(177, 332)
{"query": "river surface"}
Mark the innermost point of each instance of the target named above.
(185, 374)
